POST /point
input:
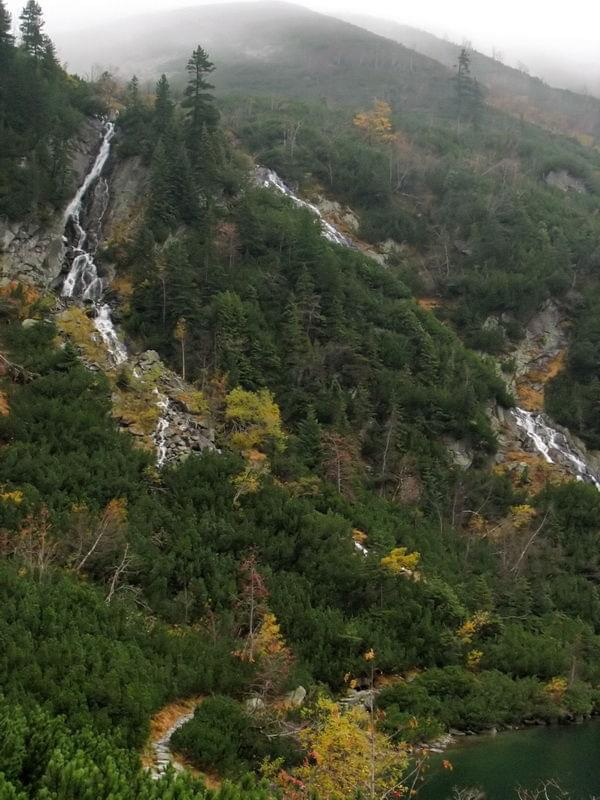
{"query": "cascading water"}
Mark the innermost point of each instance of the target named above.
(553, 445)
(269, 178)
(83, 281)
(160, 434)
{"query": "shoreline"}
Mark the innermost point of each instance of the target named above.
(455, 736)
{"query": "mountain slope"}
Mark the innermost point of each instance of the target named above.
(353, 521)
(510, 89)
(314, 55)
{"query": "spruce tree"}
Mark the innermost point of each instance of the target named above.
(133, 92)
(469, 98)
(6, 51)
(49, 58)
(309, 437)
(162, 213)
(33, 40)
(163, 106)
(6, 37)
(202, 116)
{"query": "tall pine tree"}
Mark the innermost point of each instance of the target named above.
(33, 39)
(6, 37)
(469, 97)
(202, 116)
(6, 51)
(163, 106)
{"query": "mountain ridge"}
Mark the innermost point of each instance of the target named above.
(510, 89)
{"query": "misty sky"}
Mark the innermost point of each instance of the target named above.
(515, 27)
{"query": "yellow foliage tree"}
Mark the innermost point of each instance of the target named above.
(344, 761)
(253, 419)
(15, 497)
(522, 515)
(246, 482)
(400, 562)
(376, 123)
(473, 625)
(556, 688)
(474, 659)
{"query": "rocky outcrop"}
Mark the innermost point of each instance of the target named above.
(180, 428)
(296, 697)
(340, 215)
(460, 453)
(32, 252)
(565, 181)
(540, 355)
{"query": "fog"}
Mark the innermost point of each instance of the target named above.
(546, 35)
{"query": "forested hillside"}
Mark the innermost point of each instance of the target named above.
(512, 89)
(41, 108)
(350, 571)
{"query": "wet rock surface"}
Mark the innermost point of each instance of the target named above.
(32, 252)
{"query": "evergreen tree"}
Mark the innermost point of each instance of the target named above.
(202, 116)
(297, 345)
(184, 196)
(162, 213)
(133, 92)
(6, 51)
(309, 303)
(49, 58)
(469, 97)
(163, 106)
(33, 39)
(6, 37)
(231, 343)
(309, 436)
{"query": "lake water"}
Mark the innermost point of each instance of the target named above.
(500, 764)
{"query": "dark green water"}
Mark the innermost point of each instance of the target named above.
(499, 764)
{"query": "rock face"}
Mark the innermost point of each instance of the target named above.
(34, 253)
(563, 180)
(533, 447)
(341, 215)
(540, 355)
(460, 454)
(128, 181)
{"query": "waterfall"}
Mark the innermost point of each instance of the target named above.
(269, 178)
(83, 281)
(160, 434)
(553, 445)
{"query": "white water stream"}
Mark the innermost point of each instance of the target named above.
(83, 281)
(553, 445)
(160, 434)
(269, 178)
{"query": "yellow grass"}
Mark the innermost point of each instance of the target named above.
(533, 399)
(429, 303)
(80, 329)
